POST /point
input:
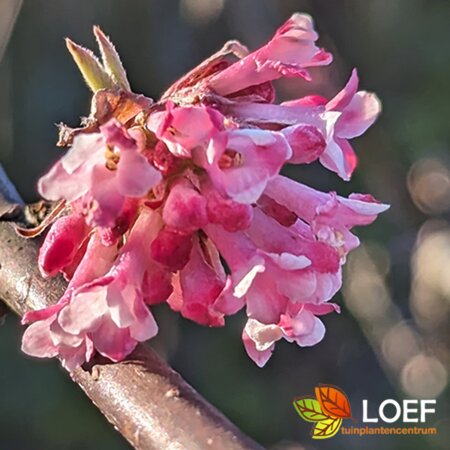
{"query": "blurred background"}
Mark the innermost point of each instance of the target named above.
(391, 340)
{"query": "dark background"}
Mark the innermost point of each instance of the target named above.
(391, 340)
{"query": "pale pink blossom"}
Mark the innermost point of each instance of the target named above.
(357, 111)
(101, 170)
(107, 313)
(184, 128)
(45, 338)
(302, 327)
(241, 162)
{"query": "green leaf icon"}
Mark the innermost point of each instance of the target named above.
(326, 428)
(309, 409)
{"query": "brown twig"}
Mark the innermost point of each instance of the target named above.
(147, 402)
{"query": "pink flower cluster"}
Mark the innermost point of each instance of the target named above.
(182, 202)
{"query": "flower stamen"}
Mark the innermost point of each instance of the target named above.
(112, 158)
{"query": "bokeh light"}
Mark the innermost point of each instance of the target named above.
(429, 185)
(424, 377)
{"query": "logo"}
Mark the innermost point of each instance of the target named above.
(326, 410)
(330, 407)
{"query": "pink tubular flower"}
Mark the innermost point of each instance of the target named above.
(45, 338)
(288, 54)
(181, 201)
(62, 244)
(302, 327)
(184, 128)
(185, 208)
(357, 111)
(271, 280)
(316, 128)
(102, 169)
(202, 288)
(241, 163)
(330, 217)
(107, 313)
(221, 210)
(111, 311)
(306, 141)
(275, 268)
(111, 235)
(172, 249)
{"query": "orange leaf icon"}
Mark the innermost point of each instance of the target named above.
(333, 401)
